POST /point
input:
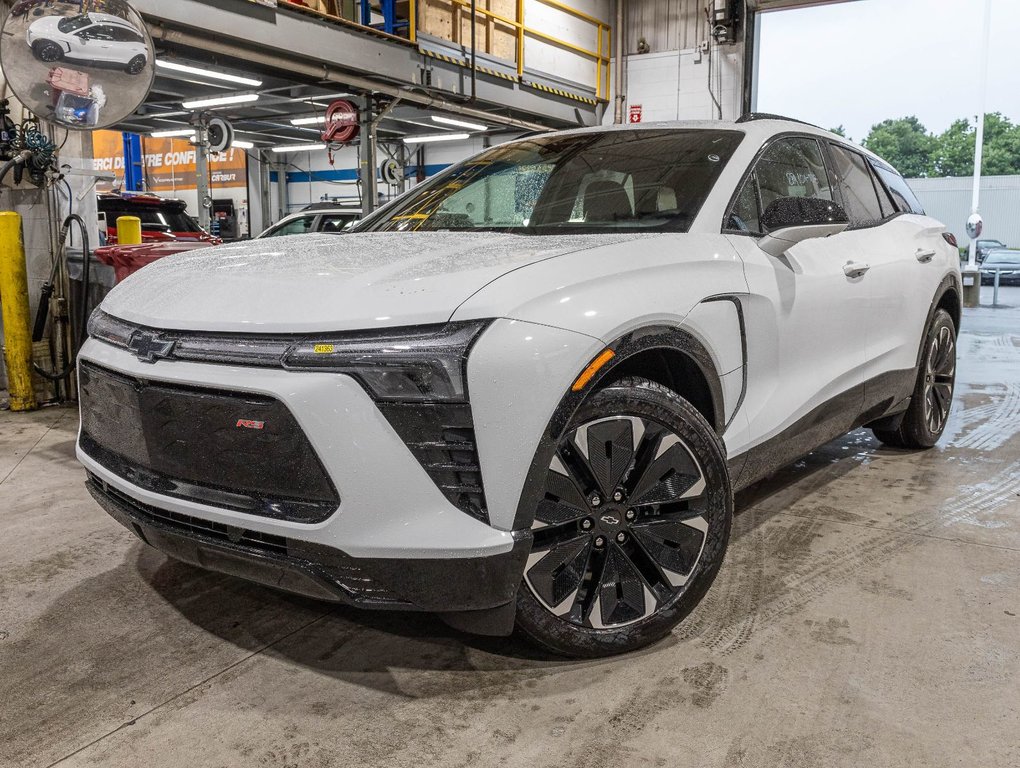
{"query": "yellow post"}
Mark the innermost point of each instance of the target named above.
(129, 230)
(17, 323)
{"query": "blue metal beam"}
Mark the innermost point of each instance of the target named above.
(134, 168)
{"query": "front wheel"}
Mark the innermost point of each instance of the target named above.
(926, 417)
(632, 527)
(48, 51)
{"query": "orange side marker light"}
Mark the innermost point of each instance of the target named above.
(594, 367)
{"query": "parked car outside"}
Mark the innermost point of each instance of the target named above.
(524, 393)
(318, 218)
(984, 247)
(91, 38)
(164, 219)
(1006, 263)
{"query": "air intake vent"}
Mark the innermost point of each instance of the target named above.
(442, 439)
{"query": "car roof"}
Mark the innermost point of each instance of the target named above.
(757, 127)
(1012, 252)
(109, 18)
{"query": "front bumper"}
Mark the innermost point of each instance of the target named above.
(325, 573)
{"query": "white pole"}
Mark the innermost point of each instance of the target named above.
(979, 145)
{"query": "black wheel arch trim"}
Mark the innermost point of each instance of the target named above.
(664, 337)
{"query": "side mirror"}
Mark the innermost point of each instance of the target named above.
(791, 220)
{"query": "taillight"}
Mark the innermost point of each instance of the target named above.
(951, 239)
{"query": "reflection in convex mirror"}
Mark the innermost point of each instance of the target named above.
(82, 64)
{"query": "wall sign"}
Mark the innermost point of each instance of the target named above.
(635, 113)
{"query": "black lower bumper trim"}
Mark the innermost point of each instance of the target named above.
(315, 570)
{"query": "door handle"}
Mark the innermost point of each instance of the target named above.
(855, 269)
(924, 256)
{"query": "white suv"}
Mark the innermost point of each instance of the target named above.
(524, 393)
(92, 38)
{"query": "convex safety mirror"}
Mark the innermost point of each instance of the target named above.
(80, 69)
(791, 220)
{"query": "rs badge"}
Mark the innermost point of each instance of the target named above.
(249, 424)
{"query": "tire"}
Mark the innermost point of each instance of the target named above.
(925, 419)
(628, 541)
(48, 51)
(135, 66)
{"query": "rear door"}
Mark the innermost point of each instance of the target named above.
(803, 315)
(907, 257)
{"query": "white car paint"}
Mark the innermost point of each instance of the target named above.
(102, 38)
(813, 334)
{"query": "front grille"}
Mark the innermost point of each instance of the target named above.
(237, 451)
(442, 439)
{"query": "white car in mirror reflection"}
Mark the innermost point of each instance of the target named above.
(524, 393)
(91, 38)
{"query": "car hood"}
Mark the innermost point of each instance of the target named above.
(312, 283)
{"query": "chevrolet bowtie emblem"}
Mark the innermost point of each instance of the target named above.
(148, 347)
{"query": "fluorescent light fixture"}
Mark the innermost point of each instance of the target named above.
(437, 137)
(157, 115)
(241, 98)
(458, 123)
(172, 134)
(173, 65)
(308, 120)
(243, 145)
(299, 148)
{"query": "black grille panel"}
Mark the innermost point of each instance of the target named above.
(238, 451)
(442, 438)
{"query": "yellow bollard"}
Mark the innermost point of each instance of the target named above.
(17, 323)
(129, 230)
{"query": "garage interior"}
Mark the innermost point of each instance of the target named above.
(867, 612)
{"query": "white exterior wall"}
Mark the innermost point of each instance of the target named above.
(948, 200)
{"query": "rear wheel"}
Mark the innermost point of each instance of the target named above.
(925, 419)
(136, 65)
(632, 527)
(48, 51)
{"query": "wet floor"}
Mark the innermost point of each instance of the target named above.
(867, 614)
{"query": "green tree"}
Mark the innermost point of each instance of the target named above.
(905, 143)
(955, 153)
(839, 131)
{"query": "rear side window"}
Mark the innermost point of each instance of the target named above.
(904, 197)
(860, 198)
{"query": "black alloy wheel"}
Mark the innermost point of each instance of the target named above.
(48, 51)
(136, 65)
(931, 402)
(634, 520)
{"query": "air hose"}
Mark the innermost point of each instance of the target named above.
(47, 292)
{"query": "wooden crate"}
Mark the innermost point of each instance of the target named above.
(452, 21)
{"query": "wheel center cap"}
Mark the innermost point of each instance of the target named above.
(611, 519)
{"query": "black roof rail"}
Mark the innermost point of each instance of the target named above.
(748, 117)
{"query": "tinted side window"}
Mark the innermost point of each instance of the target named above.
(905, 199)
(792, 168)
(855, 185)
(745, 216)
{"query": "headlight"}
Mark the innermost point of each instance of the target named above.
(417, 364)
(109, 329)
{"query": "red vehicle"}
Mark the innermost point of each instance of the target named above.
(128, 259)
(164, 219)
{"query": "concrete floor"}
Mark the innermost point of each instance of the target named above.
(867, 615)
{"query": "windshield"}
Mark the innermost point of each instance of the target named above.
(620, 181)
(73, 23)
(1004, 257)
(155, 219)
